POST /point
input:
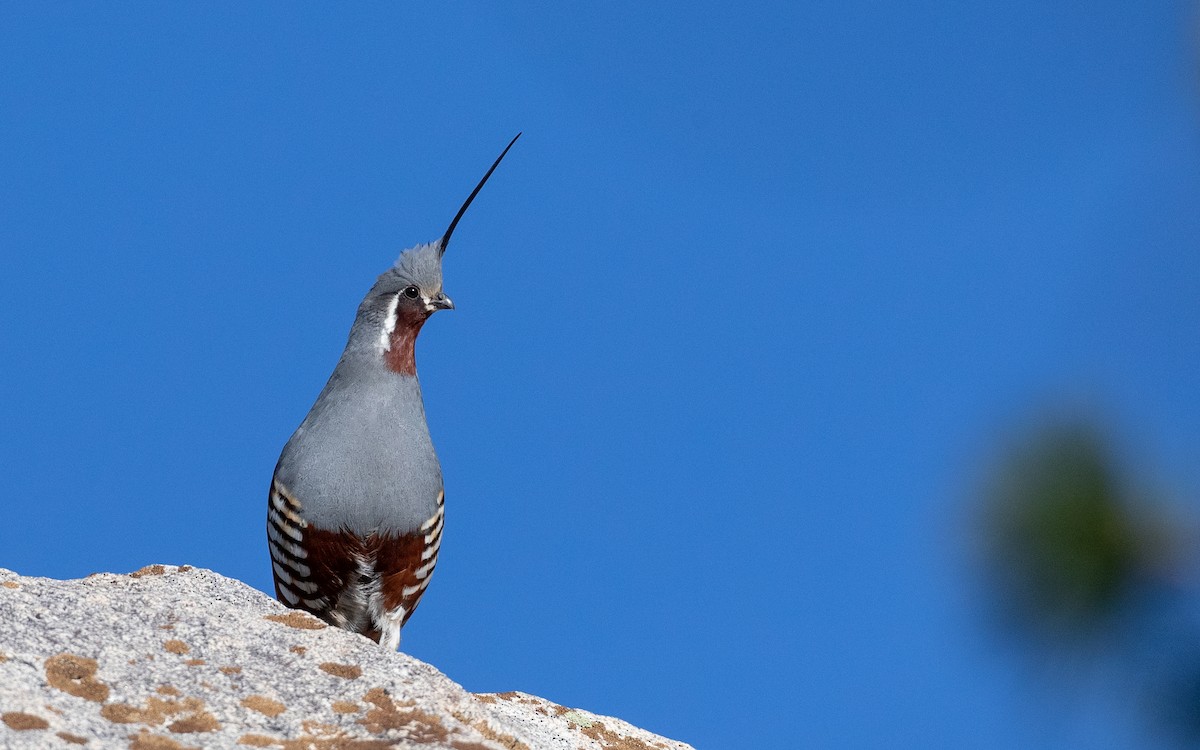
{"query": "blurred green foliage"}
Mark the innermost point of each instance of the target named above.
(1079, 561)
(1063, 542)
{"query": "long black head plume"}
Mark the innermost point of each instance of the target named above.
(475, 192)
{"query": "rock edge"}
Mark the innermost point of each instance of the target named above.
(181, 658)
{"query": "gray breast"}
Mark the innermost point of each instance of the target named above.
(363, 460)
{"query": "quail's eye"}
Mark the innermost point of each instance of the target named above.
(412, 292)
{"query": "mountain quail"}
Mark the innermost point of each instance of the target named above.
(354, 516)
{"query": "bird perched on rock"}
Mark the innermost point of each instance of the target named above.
(355, 511)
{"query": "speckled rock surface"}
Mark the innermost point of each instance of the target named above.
(169, 658)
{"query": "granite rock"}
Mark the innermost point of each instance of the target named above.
(178, 657)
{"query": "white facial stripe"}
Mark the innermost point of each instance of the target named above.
(389, 324)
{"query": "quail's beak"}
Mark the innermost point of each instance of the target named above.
(439, 302)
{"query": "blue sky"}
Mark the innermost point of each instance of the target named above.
(741, 319)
